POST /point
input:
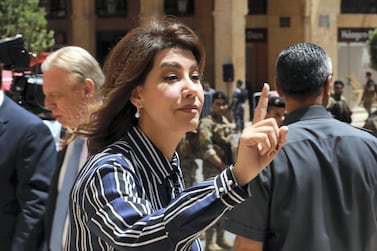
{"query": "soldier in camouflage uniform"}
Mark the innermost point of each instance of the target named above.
(218, 150)
(188, 152)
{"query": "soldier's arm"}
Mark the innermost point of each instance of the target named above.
(207, 146)
(216, 160)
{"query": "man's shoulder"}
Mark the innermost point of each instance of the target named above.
(16, 112)
(323, 128)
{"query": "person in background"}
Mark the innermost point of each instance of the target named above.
(129, 194)
(71, 79)
(338, 105)
(250, 98)
(369, 94)
(208, 92)
(189, 151)
(238, 105)
(371, 123)
(276, 109)
(218, 149)
(27, 162)
(319, 192)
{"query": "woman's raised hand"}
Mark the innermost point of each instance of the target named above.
(259, 142)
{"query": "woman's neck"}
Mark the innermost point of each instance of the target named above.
(166, 142)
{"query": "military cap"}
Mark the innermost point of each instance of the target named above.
(219, 95)
(276, 101)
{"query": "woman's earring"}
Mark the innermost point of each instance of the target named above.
(137, 114)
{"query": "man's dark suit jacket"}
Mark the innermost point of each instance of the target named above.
(51, 204)
(27, 162)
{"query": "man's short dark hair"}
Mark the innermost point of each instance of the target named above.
(339, 82)
(219, 95)
(302, 70)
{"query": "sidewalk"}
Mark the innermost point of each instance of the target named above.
(359, 115)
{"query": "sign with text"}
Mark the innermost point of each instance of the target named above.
(354, 34)
(256, 35)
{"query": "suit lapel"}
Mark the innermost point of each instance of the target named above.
(3, 121)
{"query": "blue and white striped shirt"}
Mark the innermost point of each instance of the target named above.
(122, 200)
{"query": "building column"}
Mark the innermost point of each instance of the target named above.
(151, 7)
(83, 24)
(322, 27)
(229, 41)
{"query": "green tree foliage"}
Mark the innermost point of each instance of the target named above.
(372, 41)
(25, 17)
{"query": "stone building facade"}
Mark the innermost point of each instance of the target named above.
(247, 34)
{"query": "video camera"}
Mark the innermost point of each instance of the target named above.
(26, 87)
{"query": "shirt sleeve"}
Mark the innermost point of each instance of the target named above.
(250, 218)
(119, 213)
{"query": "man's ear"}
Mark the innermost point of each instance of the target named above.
(277, 87)
(90, 88)
(327, 85)
(326, 91)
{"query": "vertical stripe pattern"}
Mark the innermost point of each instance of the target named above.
(131, 197)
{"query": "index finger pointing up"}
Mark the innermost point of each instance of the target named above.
(261, 109)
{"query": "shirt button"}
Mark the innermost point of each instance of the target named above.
(230, 182)
(221, 189)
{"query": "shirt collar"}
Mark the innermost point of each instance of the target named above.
(1, 97)
(149, 155)
(307, 113)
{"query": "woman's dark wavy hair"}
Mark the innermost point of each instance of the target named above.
(126, 67)
(302, 70)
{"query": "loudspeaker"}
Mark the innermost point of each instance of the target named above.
(228, 72)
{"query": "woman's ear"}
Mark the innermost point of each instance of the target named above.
(135, 97)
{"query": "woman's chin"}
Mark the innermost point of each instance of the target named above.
(193, 125)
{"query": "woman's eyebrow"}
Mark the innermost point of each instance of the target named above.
(170, 64)
(177, 65)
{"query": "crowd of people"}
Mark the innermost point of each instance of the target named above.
(125, 174)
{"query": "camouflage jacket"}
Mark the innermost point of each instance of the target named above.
(215, 137)
(188, 146)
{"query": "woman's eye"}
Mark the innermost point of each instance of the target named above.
(170, 78)
(195, 77)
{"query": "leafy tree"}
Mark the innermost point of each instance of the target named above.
(372, 41)
(26, 17)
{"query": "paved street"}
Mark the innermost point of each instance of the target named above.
(359, 115)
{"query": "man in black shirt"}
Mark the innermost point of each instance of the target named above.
(320, 191)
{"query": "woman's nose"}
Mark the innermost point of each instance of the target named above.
(192, 88)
